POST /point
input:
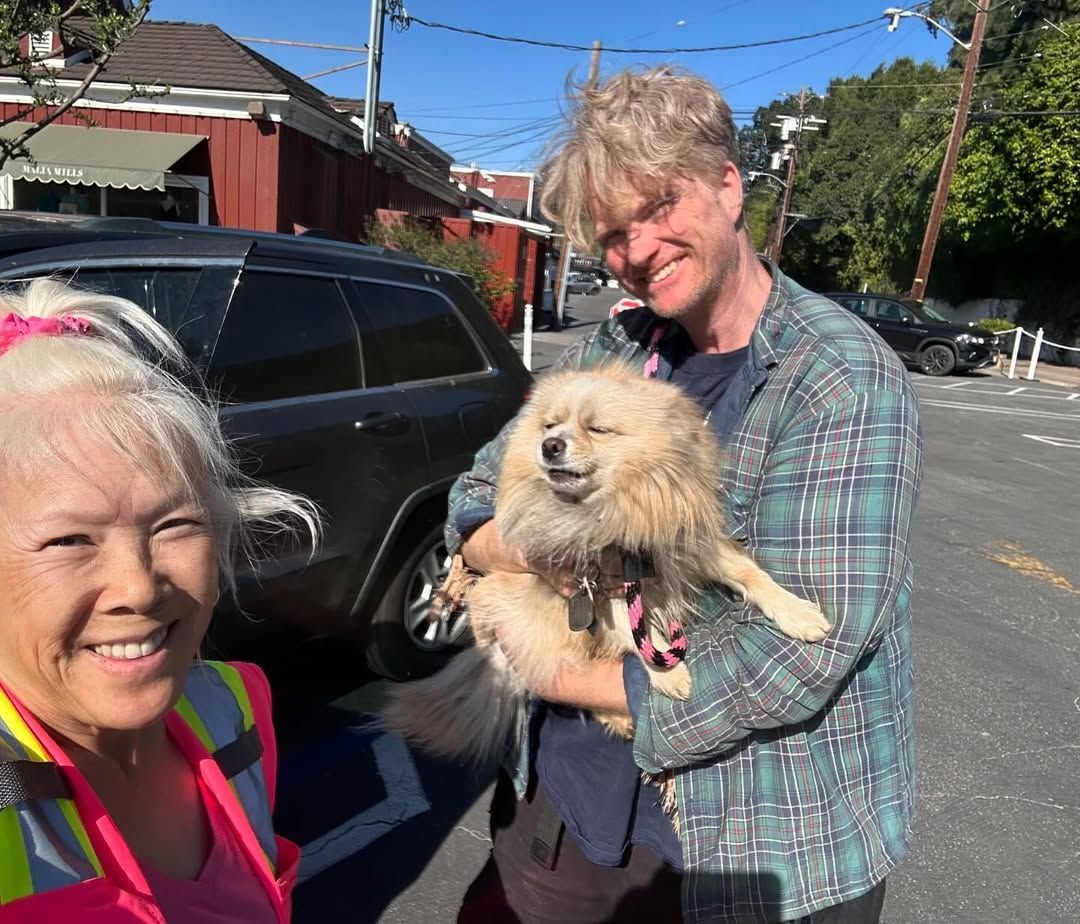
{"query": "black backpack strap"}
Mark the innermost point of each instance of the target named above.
(236, 756)
(26, 780)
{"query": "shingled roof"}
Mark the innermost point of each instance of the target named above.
(200, 55)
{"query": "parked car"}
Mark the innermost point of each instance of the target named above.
(920, 336)
(582, 284)
(353, 374)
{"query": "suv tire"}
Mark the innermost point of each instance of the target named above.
(937, 359)
(395, 648)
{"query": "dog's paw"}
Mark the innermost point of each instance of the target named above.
(674, 682)
(800, 619)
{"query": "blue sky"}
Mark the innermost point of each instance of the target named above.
(495, 103)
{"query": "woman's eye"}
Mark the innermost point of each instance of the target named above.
(61, 542)
(177, 523)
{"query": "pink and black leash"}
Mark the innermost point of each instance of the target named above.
(635, 568)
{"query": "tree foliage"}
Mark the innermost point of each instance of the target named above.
(96, 27)
(469, 256)
(1012, 223)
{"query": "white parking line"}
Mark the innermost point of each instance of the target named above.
(405, 798)
(954, 385)
(1061, 442)
(1003, 391)
(1016, 412)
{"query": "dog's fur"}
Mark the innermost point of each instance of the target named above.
(639, 472)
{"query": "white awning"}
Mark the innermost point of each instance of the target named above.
(494, 219)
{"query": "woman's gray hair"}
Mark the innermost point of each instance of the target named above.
(632, 136)
(134, 390)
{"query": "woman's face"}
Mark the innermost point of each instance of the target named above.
(107, 581)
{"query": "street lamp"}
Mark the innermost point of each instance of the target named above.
(895, 14)
(754, 174)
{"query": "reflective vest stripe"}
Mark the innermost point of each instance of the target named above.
(232, 677)
(20, 731)
(44, 844)
(191, 718)
(205, 711)
(72, 857)
(71, 813)
(15, 881)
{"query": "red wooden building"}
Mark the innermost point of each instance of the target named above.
(222, 135)
(267, 150)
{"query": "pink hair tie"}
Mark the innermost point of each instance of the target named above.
(14, 328)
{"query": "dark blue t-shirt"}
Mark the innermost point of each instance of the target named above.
(590, 777)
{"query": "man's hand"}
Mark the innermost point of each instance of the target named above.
(600, 685)
(486, 550)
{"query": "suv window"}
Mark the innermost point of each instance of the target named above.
(285, 336)
(417, 335)
(164, 293)
(859, 306)
(891, 311)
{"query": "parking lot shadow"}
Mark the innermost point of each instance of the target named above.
(369, 812)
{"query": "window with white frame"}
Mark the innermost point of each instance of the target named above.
(41, 46)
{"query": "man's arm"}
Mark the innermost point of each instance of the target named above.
(831, 523)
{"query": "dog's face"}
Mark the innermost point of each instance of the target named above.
(592, 432)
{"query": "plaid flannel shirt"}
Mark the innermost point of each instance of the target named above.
(794, 763)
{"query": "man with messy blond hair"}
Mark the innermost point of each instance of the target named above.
(793, 763)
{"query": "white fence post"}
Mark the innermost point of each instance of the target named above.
(1015, 352)
(526, 340)
(1035, 353)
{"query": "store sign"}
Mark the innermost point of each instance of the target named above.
(49, 172)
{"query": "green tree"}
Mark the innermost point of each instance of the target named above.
(1011, 228)
(97, 26)
(1013, 30)
(866, 174)
(469, 256)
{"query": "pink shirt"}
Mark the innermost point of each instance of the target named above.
(227, 890)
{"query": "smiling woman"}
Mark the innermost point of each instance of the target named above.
(122, 517)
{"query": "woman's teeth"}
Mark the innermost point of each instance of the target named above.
(129, 651)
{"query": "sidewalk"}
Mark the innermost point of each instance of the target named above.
(1046, 374)
(582, 316)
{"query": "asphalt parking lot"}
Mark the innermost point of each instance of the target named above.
(391, 836)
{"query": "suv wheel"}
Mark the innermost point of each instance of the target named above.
(403, 644)
(937, 359)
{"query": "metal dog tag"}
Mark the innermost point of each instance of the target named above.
(581, 612)
(583, 607)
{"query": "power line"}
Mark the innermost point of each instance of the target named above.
(519, 129)
(813, 54)
(408, 19)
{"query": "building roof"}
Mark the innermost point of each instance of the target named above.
(202, 56)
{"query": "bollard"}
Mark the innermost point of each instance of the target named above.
(1015, 352)
(526, 339)
(1035, 354)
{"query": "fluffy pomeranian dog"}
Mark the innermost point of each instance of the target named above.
(598, 461)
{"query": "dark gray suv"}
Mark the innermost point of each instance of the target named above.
(352, 374)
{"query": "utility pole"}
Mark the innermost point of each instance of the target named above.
(594, 65)
(952, 152)
(374, 69)
(787, 125)
(564, 255)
